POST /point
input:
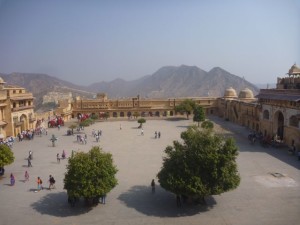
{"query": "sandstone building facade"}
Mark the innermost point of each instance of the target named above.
(16, 110)
(273, 112)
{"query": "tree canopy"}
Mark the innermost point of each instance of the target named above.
(6, 155)
(199, 114)
(141, 121)
(207, 124)
(203, 164)
(90, 175)
(187, 107)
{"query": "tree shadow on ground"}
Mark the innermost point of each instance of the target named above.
(240, 134)
(161, 203)
(56, 204)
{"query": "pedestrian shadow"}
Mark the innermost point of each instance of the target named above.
(161, 203)
(56, 204)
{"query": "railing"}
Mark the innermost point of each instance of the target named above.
(28, 95)
(19, 123)
(22, 108)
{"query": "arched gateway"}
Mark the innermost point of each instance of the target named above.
(279, 124)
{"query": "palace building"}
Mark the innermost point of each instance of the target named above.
(280, 108)
(123, 108)
(16, 110)
(273, 112)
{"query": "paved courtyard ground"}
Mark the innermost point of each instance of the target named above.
(261, 197)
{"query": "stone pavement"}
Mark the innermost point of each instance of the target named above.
(261, 198)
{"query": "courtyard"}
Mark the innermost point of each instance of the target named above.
(269, 192)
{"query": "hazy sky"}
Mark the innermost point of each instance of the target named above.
(86, 41)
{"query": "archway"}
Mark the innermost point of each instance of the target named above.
(279, 121)
(128, 114)
(115, 114)
(23, 120)
(121, 114)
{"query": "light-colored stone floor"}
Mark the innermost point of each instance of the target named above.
(260, 198)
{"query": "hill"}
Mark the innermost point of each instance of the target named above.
(167, 82)
(171, 81)
(41, 84)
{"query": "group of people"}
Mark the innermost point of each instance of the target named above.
(38, 181)
(82, 138)
(63, 156)
(157, 134)
(97, 134)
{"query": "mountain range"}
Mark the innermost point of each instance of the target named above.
(167, 82)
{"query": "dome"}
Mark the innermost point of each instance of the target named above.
(1, 81)
(294, 70)
(230, 93)
(246, 94)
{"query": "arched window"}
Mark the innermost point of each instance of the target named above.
(266, 115)
(122, 114)
(294, 121)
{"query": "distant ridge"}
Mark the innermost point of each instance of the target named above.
(166, 82)
(172, 81)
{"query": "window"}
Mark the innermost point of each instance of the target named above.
(15, 119)
(266, 115)
(294, 121)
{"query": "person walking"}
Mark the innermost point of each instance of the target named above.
(12, 180)
(103, 199)
(39, 184)
(158, 134)
(63, 155)
(142, 132)
(51, 182)
(29, 162)
(57, 158)
(153, 186)
(30, 155)
(26, 176)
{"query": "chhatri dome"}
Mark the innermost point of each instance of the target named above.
(294, 70)
(246, 94)
(230, 93)
(1, 81)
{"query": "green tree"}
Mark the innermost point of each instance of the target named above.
(202, 165)
(187, 107)
(141, 121)
(90, 175)
(6, 156)
(199, 114)
(86, 122)
(207, 124)
(94, 117)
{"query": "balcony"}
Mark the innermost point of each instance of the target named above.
(18, 123)
(21, 96)
(24, 107)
